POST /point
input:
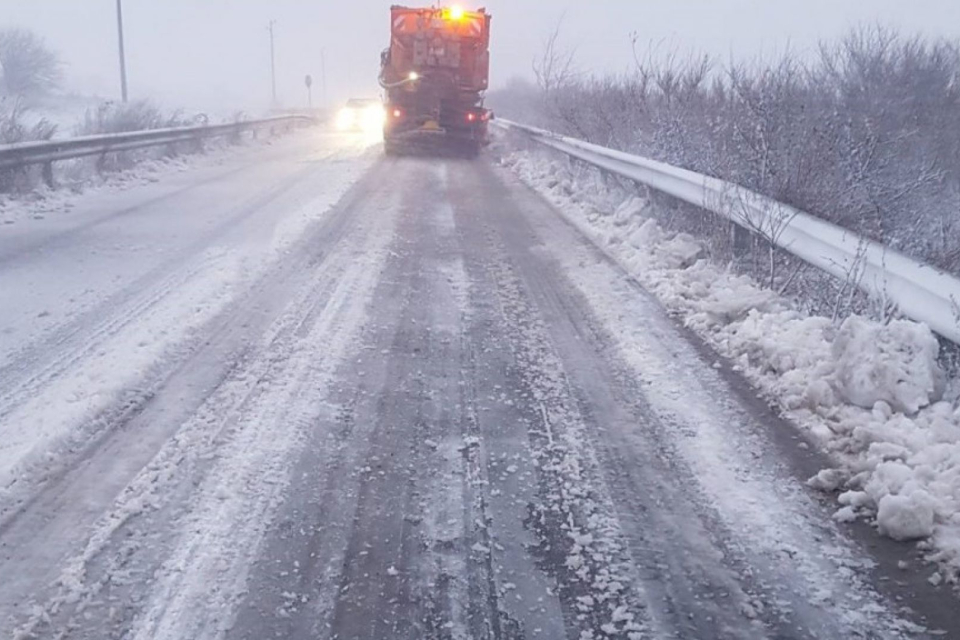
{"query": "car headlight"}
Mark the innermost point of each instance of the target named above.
(346, 119)
(374, 117)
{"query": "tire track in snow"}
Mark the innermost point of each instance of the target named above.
(102, 365)
(188, 525)
(579, 537)
(36, 364)
(218, 360)
(224, 531)
(388, 533)
(71, 500)
(68, 377)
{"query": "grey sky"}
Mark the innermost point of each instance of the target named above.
(214, 53)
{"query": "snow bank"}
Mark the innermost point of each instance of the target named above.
(871, 394)
(896, 364)
(43, 201)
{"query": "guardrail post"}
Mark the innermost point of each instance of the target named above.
(48, 175)
(741, 241)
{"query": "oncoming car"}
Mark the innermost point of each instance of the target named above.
(361, 114)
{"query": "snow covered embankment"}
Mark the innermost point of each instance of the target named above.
(873, 395)
(38, 203)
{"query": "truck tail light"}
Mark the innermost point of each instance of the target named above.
(471, 117)
(397, 113)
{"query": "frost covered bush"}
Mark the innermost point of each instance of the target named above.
(866, 135)
(28, 68)
(17, 126)
(113, 117)
(14, 130)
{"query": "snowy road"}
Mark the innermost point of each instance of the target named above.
(312, 393)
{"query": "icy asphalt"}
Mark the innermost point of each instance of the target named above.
(310, 392)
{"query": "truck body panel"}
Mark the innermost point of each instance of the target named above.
(435, 73)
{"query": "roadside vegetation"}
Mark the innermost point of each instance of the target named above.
(30, 74)
(28, 71)
(864, 133)
(141, 115)
(28, 68)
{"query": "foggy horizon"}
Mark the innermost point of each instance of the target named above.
(215, 55)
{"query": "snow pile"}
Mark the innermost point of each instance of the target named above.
(896, 364)
(872, 394)
(906, 517)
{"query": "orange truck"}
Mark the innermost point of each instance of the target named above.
(434, 74)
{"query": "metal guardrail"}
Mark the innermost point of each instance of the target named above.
(921, 292)
(47, 152)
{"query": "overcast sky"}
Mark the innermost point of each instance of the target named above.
(214, 54)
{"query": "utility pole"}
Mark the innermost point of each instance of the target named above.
(273, 64)
(323, 78)
(123, 55)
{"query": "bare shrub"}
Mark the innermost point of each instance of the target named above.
(865, 135)
(113, 117)
(14, 130)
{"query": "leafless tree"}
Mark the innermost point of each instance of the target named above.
(27, 66)
(554, 69)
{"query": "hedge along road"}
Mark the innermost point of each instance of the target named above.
(314, 393)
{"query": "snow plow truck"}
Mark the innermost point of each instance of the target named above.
(434, 74)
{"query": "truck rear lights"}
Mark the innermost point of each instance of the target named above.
(397, 113)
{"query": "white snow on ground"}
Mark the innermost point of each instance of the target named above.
(872, 395)
(56, 407)
(45, 201)
(247, 430)
(282, 399)
(38, 427)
